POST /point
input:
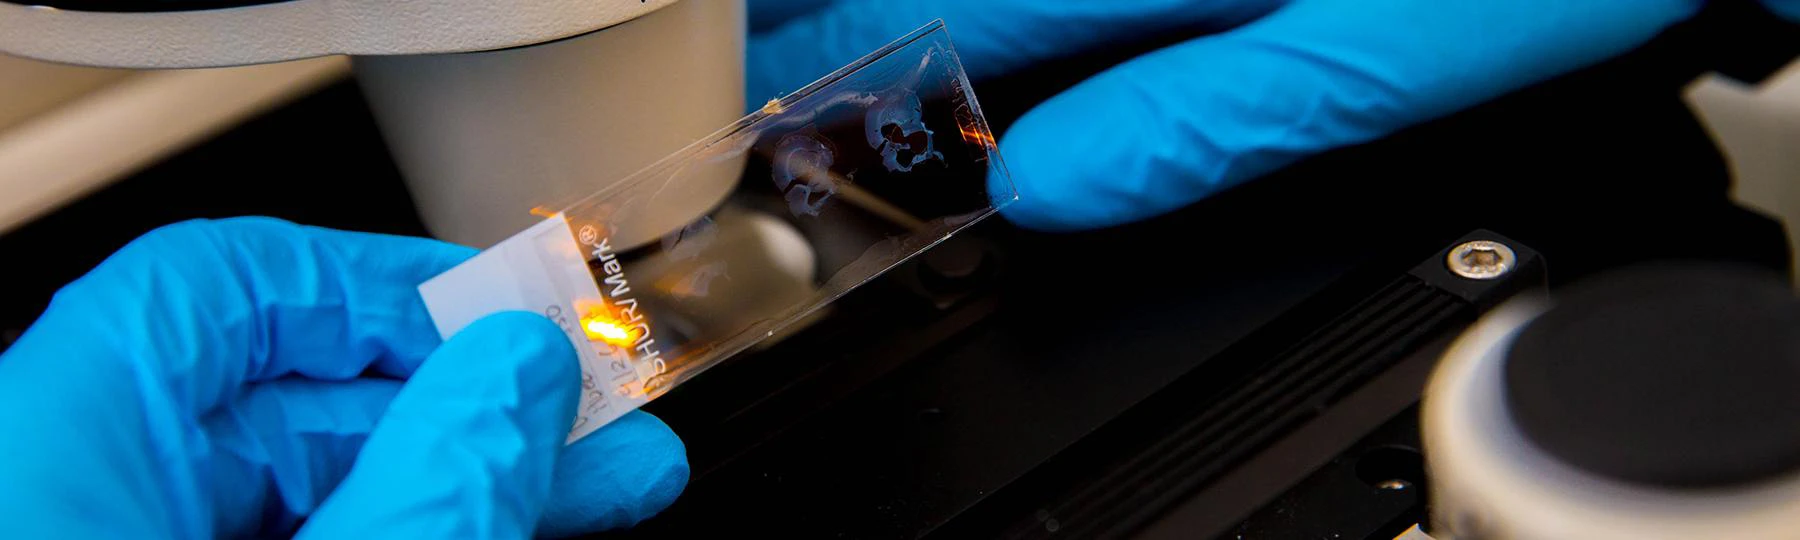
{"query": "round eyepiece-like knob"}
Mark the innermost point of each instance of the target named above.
(1672, 376)
(1653, 403)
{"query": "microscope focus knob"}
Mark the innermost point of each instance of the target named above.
(1675, 377)
(1649, 403)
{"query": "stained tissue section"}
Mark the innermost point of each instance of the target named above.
(895, 127)
(802, 170)
(692, 240)
(697, 283)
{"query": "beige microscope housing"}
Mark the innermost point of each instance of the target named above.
(490, 107)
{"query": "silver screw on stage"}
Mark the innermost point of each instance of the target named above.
(1481, 259)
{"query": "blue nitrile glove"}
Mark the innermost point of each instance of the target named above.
(239, 377)
(1290, 79)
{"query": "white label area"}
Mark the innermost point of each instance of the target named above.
(543, 270)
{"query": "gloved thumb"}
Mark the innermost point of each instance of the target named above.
(468, 447)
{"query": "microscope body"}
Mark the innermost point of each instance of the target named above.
(489, 108)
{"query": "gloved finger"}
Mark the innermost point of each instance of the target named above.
(1785, 8)
(279, 448)
(199, 308)
(468, 447)
(1174, 126)
(992, 37)
(615, 477)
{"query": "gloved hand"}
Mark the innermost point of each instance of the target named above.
(241, 377)
(1287, 80)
